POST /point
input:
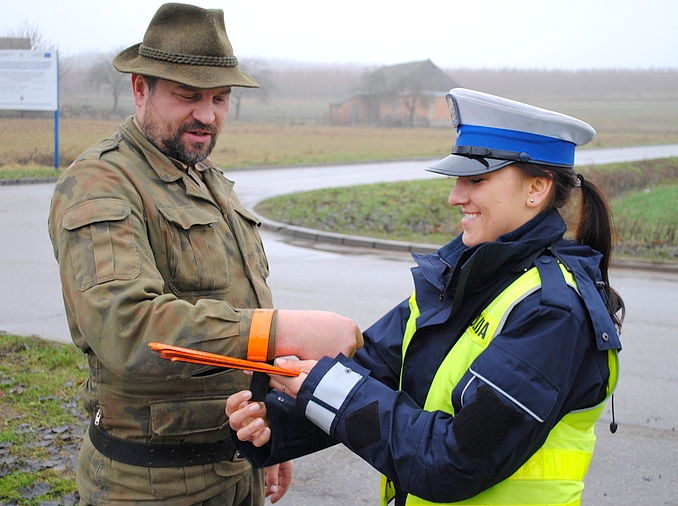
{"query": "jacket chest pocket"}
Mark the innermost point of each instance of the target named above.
(197, 253)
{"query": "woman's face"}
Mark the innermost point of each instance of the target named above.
(495, 203)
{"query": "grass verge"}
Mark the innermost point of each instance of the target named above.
(642, 195)
(15, 171)
(647, 223)
(42, 423)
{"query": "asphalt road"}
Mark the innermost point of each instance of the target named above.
(636, 466)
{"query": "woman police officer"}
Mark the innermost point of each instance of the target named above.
(485, 385)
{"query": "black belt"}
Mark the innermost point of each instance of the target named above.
(160, 455)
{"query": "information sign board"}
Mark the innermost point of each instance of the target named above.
(29, 80)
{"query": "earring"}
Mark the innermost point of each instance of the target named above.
(531, 201)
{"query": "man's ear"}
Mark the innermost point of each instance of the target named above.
(139, 89)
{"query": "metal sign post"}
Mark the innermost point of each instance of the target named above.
(56, 115)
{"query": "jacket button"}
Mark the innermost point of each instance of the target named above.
(605, 336)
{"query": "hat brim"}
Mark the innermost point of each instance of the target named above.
(197, 76)
(456, 165)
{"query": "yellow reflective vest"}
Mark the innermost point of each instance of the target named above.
(555, 473)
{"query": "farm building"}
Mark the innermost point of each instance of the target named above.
(406, 94)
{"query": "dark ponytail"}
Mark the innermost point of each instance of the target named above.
(594, 226)
(596, 229)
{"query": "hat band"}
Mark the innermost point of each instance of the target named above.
(188, 59)
(530, 147)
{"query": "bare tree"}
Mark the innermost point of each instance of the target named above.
(375, 88)
(103, 74)
(259, 71)
(15, 39)
(413, 94)
(410, 85)
(28, 37)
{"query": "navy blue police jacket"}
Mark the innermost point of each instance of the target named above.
(551, 355)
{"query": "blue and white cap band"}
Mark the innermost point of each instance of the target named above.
(532, 147)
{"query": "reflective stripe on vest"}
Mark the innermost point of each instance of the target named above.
(555, 473)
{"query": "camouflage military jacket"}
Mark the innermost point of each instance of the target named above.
(146, 254)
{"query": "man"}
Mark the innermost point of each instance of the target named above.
(153, 245)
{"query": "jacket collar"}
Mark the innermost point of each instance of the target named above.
(515, 250)
(472, 274)
(462, 274)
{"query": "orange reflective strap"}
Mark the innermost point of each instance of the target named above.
(260, 331)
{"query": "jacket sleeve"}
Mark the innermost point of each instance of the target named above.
(292, 434)
(445, 458)
(382, 352)
(116, 299)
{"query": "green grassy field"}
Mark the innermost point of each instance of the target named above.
(40, 420)
(392, 211)
(647, 223)
(642, 195)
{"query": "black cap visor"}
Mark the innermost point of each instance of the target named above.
(459, 165)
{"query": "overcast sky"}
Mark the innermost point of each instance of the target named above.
(545, 34)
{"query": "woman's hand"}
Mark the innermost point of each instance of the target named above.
(287, 384)
(248, 419)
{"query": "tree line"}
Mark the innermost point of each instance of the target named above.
(91, 87)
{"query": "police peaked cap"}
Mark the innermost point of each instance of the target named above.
(493, 132)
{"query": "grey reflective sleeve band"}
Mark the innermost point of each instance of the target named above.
(508, 396)
(336, 384)
(320, 416)
(332, 391)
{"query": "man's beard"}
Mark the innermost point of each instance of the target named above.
(174, 147)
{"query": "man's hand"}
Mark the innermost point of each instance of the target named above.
(277, 480)
(315, 334)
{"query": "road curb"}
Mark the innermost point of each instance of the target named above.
(28, 180)
(357, 241)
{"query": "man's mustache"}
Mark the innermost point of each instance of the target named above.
(197, 125)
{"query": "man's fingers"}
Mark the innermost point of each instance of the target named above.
(283, 481)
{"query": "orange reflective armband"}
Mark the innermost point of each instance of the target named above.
(260, 331)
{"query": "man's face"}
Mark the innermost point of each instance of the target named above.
(181, 121)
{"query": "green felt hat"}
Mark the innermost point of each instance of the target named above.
(188, 45)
